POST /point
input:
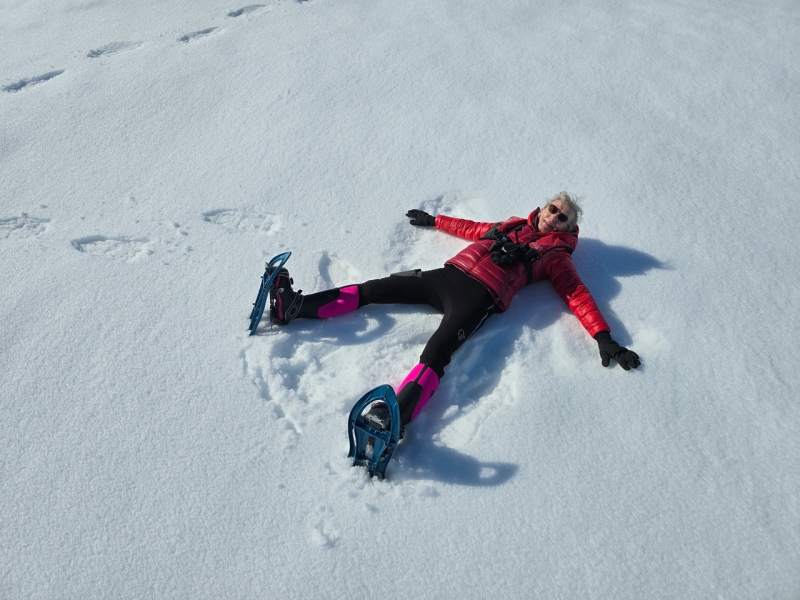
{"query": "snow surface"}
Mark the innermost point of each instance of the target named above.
(154, 154)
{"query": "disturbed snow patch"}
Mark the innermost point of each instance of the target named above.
(113, 48)
(245, 219)
(123, 248)
(22, 226)
(30, 81)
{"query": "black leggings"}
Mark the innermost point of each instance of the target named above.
(464, 302)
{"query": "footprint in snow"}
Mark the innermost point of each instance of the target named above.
(248, 10)
(30, 81)
(196, 35)
(253, 9)
(244, 219)
(123, 248)
(113, 48)
(22, 226)
(322, 529)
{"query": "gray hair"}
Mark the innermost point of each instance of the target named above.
(571, 200)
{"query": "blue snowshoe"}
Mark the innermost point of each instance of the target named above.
(271, 273)
(374, 430)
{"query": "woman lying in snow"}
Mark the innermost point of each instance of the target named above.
(478, 282)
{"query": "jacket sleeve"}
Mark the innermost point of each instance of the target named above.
(570, 287)
(463, 228)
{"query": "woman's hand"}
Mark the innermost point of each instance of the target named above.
(420, 218)
(627, 359)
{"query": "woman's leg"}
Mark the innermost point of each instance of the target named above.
(464, 302)
(401, 288)
(466, 305)
(330, 303)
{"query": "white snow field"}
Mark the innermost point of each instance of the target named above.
(153, 155)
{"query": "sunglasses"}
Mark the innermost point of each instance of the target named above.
(555, 211)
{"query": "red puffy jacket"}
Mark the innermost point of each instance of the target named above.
(503, 281)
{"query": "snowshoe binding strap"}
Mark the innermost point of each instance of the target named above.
(284, 302)
(271, 272)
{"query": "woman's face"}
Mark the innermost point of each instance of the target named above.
(552, 217)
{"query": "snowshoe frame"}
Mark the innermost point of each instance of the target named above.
(384, 443)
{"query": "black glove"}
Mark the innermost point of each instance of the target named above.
(508, 253)
(610, 349)
(420, 218)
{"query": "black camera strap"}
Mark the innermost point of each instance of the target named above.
(500, 239)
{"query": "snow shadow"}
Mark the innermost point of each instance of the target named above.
(619, 261)
(600, 265)
(347, 330)
(424, 460)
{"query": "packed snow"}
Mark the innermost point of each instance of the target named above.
(153, 155)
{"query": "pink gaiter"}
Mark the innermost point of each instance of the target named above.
(346, 302)
(427, 379)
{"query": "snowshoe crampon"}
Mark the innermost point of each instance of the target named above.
(370, 447)
(271, 272)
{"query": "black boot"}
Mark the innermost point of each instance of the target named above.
(378, 416)
(407, 400)
(284, 302)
